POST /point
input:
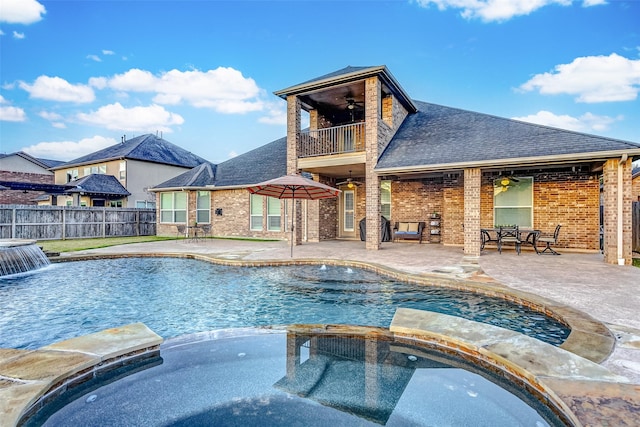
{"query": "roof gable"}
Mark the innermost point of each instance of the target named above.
(148, 148)
(261, 164)
(438, 135)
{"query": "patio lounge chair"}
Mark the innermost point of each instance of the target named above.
(549, 240)
(509, 235)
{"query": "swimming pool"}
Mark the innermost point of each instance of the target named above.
(303, 378)
(177, 296)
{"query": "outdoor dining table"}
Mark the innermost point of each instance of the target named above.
(192, 232)
(487, 235)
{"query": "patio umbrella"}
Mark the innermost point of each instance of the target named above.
(294, 186)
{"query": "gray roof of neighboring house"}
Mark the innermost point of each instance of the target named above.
(147, 148)
(43, 163)
(635, 172)
(263, 163)
(438, 135)
(98, 184)
(50, 162)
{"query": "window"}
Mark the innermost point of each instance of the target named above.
(115, 204)
(256, 212)
(348, 210)
(123, 171)
(203, 207)
(385, 199)
(72, 174)
(513, 201)
(142, 204)
(173, 207)
(273, 214)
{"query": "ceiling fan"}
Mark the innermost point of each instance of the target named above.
(503, 183)
(350, 182)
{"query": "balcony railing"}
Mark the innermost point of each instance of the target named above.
(334, 140)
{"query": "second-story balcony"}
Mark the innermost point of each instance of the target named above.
(334, 140)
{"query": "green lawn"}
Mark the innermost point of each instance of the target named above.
(82, 244)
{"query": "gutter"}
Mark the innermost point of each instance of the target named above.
(511, 162)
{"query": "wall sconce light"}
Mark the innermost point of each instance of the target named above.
(218, 211)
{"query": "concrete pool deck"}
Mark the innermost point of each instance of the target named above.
(603, 393)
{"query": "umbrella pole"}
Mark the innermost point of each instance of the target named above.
(293, 200)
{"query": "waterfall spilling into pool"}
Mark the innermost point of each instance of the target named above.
(20, 256)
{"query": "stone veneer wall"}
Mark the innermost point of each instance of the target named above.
(16, 197)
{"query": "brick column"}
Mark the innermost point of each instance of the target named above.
(616, 201)
(472, 186)
(372, 114)
(293, 136)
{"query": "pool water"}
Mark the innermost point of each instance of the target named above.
(176, 296)
(280, 379)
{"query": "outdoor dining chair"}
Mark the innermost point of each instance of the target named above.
(206, 230)
(549, 240)
(181, 230)
(509, 235)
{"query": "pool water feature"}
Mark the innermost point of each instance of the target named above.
(177, 296)
(306, 378)
(20, 256)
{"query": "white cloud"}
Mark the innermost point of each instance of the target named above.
(57, 89)
(54, 118)
(21, 11)
(108, 52)
(137, 119)
(498, 10)
(98, 82)
(224, 90)
(276, 114)
(18, 36)
(591, 79)
(588, 122)
(1, 33)
(232, 154)
(12, 114)
(94, 58)
(50, 116)
(68, 150)
(9, 113)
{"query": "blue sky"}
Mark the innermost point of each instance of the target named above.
(75, 76)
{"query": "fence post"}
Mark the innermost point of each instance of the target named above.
(64, 223)
(104, 222)
(137, 223)
(13, 223)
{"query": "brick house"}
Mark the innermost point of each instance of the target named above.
(21, 168)
(407, 160)
(635, 179)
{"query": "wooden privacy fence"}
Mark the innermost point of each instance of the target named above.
(635, 235)
(66, 222)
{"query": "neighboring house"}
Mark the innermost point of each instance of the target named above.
(406, 160)
(21, 168)
(137, 164)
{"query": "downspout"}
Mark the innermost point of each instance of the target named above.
(621, 260)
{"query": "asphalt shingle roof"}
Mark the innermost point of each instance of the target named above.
(148, 148)
(261, 164)
(438, 135)
(98, 184)
(346, 70)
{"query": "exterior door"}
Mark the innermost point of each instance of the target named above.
(348, 214)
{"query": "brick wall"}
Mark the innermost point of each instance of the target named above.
(560, 197)
(15, 197)
(635, 192)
